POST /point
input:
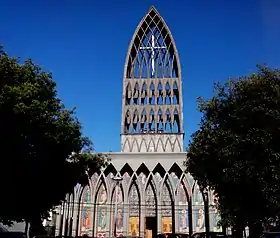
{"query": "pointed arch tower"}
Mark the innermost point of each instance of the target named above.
(152, 115)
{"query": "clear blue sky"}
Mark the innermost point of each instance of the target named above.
(84, 44)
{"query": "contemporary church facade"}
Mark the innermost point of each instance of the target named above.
(145, 190)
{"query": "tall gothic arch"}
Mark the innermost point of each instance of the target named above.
(102, 209)
(117, 202)
(134, 208)
(184, 208)
(86, 211)
(198, 209)
(167, 206)
(151, 208)
(152, 116)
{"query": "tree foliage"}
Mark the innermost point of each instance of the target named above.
(236, 150)
(43, 151)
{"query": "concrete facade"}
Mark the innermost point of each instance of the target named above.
(152, 143)
(154, 185)
(155, 195)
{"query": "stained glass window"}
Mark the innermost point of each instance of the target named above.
(118, 199)
(183, 208)
(198, 210)
(86, 211)
(102, 211)
(134, 201)
(166, 209)
(150, 201)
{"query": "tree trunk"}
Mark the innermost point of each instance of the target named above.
(26, 228)
(37, 226)
(255, 230)
(237, 232)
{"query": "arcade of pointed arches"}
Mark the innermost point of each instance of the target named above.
(172, 197)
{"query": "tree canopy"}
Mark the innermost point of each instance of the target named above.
(236, 149)
(44, 153)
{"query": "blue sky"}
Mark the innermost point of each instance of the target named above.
(84, 44)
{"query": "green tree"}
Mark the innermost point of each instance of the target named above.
(236, 150)
(44, 154)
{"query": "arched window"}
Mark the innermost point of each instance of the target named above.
(134, 210)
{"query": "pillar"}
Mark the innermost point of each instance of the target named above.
(142, 218)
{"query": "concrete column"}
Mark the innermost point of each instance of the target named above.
(91, 219)
(159, 215)
(177, 215)
(142, 218)
(110, 214)
(71, 218)
(75, 219)
(64, 214)
(58, 226)
(66, 221)
(125, 219)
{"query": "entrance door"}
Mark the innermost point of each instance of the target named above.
(150, 227)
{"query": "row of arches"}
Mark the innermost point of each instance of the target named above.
(172, 198)
(153, 144)
(161, 121)
(152, 53)
(152, 94)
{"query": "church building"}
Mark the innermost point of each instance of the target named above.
(145, 190)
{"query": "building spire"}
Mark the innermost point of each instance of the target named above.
(152, 117)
